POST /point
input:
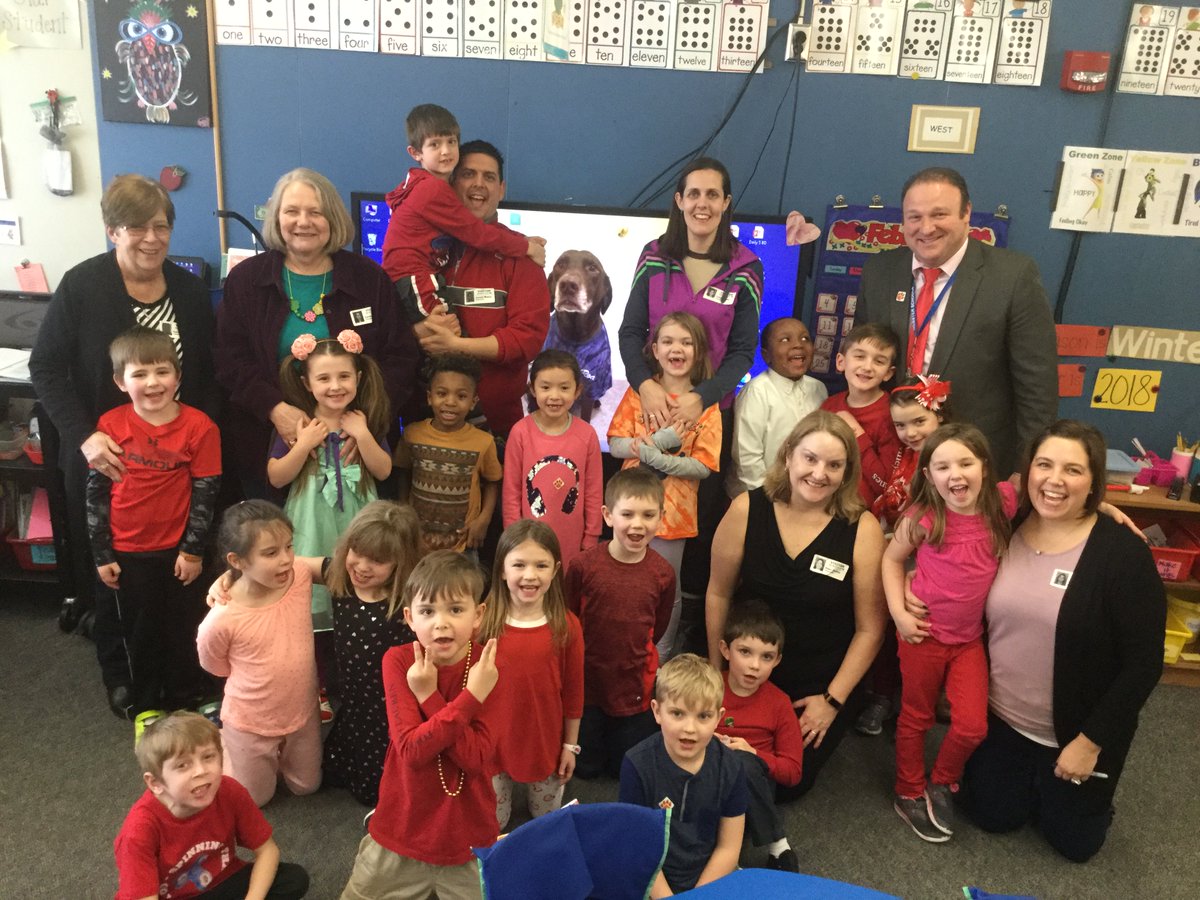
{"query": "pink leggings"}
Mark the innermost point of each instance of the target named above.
(257, 761)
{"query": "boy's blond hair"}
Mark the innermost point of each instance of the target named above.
(180, 732)
(443, 573)
(690, 680)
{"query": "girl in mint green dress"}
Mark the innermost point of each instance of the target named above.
(339, 454)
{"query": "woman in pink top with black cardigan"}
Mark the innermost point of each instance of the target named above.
(1075, 623)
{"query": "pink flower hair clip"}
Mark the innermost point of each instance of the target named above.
(303, 346)
(350, 340)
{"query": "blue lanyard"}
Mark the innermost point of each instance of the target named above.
(914, 330)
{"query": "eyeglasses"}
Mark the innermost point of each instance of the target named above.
(137, 232)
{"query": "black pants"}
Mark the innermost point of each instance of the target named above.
(763, 825)
(159, 616)
(291, 883)
(1010, 781)
(604, 740)
(816, 757)
(106, 627)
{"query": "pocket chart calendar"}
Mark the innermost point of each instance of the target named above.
(702, 36)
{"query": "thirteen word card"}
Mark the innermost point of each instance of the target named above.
(1147, 46)
(1023, 30)
(741, 39)
(924, 38)
(877, 37)
(974, 32)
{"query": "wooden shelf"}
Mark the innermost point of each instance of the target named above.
(1183, 672)
(1155, 498)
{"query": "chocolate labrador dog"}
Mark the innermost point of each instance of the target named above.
(581, 293)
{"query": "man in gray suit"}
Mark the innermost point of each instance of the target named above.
(973, 314)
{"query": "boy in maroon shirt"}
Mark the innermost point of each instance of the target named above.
(181, 838)
(759, 721)
(436, 799)
(868, 359)
(623, 593)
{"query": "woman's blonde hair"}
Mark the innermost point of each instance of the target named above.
(341, 228)
(384, 531)
(845, 502)
(554, 603)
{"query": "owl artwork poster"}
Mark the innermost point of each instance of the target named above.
(152, 60)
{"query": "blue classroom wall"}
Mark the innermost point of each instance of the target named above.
(595, 135)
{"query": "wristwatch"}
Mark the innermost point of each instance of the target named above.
(836, 704)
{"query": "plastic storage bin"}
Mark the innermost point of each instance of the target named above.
(35, 555)
(1181, 556)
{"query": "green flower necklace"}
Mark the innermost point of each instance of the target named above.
(317, 309)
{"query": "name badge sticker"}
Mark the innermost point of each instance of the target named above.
(830, 568)
(362, 316)
(717, 295)
(1061, 578)
(901, 296)
(480, 297)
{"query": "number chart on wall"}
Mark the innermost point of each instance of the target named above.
(721, 36)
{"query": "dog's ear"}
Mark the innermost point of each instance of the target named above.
(552, 278)
(606, 283)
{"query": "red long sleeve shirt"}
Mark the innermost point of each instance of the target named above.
(768, 723)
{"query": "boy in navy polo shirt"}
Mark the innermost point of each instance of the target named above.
(699, 780)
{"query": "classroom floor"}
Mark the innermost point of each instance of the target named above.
(71, 778)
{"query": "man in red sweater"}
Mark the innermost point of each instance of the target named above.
(500, 305)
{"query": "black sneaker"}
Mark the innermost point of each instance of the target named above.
(939, 803)
(120, 701)
(870, 721)
(914, 811)
(784, 862)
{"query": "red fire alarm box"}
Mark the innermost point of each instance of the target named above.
(1084, 71)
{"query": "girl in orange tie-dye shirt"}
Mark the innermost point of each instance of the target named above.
(678, 355)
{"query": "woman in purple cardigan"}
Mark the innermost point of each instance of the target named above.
(305, 283)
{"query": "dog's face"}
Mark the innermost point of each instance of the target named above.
(580, 287)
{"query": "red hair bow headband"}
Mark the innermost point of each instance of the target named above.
(932, 393)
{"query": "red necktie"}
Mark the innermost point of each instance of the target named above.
(916, 344)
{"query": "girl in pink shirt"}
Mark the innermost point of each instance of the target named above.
(957, 524)
(262, 643)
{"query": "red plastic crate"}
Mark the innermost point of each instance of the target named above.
(33, 556)
(1181, 557)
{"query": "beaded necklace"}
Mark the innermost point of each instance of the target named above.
(318, 308)
(462, 776)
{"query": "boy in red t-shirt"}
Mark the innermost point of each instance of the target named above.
(181, 837)
(759, 721)
(623, 593)
(436, 799)
(149, 526)
(427, 216)
(868, 358)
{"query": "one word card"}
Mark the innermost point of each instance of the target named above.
(1148, 45)
(877, 37)
(974, 32)
(232, 21)
(1022, 51)
(924, 38)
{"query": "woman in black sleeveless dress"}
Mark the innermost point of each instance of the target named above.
(804, 544)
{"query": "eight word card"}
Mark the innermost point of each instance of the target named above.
(315, 25)
(829, 48)
(974, 31)
(695, 37)
(1023, 30)
(271, 24)
(1144, 64)
(741, 36)
(398, 27)
(522, 30)
(877, 38)
(358, 25)
(1183, 71)
(232, 18)
(923, 42)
